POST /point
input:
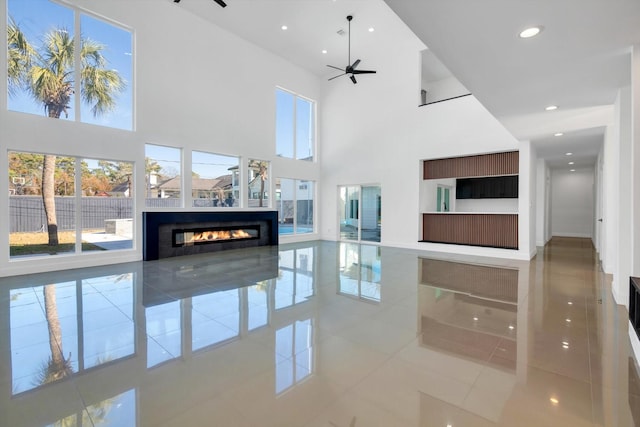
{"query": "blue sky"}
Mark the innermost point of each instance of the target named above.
(36, 17)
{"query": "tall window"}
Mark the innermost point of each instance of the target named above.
(258, 183)
(294, 198)
(47, 217)
(214, 180)
(295, 126)
(43, 72)
(163, 166)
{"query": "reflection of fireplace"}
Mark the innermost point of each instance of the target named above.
(171, 234)
(204, 236)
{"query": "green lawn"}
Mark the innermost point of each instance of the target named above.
(36, 244)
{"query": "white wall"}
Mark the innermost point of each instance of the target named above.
(543, 205)
(487, 205)
(196, 89)
(373, 132)
(572, 200)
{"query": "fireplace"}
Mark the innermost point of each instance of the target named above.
(171, 234)
(209, 235)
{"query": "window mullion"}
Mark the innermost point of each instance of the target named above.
(77, 62)
(78, 204)
(295, 127)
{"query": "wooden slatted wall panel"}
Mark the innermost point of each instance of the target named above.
(470, 166)
(490, 230)
(480, 280)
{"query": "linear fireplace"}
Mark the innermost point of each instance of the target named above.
(208, 235)
(171, 234)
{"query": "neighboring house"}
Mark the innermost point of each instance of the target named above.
(201, 188)
(120, 190)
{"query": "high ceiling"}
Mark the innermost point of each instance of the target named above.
(578, 61)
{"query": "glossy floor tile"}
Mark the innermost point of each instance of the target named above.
(320, 334)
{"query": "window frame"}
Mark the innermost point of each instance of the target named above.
(294, 124)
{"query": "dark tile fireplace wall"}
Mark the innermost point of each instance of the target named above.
(158, 226)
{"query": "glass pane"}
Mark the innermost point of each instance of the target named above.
(107, 310)
(214, 180)
(371, 214)
(304, 204)
(304, 129)
(163, 166)
(259, 184)
(164, 333)
(35, 230)
(349, 205)
(285, 192)
(44, 335)
(107, 73)
(284, 123)
(52, 22)
(118, 410)
(107, 205)
(349, 274)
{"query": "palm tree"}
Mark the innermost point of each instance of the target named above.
(19, 58)
(48, 74)
(261, 168)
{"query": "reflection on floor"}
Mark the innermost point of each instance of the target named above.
(319, 334)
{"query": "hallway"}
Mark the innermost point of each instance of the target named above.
(319, 334)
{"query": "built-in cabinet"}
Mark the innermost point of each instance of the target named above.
(483, 210)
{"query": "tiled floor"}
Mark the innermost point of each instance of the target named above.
(319, 334)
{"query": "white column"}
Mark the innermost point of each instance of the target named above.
(635, 162)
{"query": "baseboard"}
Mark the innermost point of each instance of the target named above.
(580, 235)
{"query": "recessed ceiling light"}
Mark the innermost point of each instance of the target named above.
(558, 134)
(530, 32)
(572, 163)
(371, 29)
(284, 28)
(511, 327)
(475, 319)
(572, 170)
(568, 154)
(324, 50)
(554, 400)
(551, 107)
(570, 303)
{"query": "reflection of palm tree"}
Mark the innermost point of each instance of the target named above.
(57, 367)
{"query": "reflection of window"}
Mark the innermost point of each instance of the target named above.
(295, 206)
(103, 68)
(100, 333)
(164, 333)
(258, 308)
(294, 354)
(360, 270)
(215, 318)
(117, 410)
(295, 126)
(214, 180)
(295, 282)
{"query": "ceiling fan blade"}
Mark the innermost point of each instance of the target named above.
(335, 68)
(221, 3)
(355, 64)
(335, 77)
(353, 78)
(363, 72)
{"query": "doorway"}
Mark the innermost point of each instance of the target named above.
(360, 212)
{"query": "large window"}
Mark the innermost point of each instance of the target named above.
(47, 216)
(295, 126)
(214, 180)
(163, 166)
(46, 77)
(258, 183)
(295, 205)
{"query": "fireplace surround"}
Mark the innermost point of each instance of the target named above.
(171, 234)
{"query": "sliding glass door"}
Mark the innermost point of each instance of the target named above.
(360, 212)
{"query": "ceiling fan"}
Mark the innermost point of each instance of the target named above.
(350, 69)
(220, 2)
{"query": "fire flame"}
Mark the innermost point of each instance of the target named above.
(208, 236)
